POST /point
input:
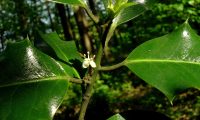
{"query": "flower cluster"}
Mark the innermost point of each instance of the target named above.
(88, 61)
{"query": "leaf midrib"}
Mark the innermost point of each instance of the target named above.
(160, 61)
(35, 80)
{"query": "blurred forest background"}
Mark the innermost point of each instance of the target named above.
(118, 90)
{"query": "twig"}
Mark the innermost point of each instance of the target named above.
(91, 15)
(89, 89)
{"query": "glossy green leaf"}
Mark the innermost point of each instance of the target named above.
(116, 117)
(170, 63)
(125, 15)
(70, 2)
(71, 70)
(65, 50)
(32, 84)
(127, 12)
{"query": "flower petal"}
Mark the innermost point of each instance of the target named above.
(86, 63)
(93, 64)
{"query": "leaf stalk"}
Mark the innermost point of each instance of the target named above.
(112, 67)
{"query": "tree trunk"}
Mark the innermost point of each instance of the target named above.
(64, 21)
(20, 8)
(83, 30)
(50, 18)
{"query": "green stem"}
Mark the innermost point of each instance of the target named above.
(112, 67)
(89, 90)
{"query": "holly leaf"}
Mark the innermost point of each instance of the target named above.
(65, 50)
(116, 117)
(126, 12)
(170, 63)
(32, 84)
(131, 10)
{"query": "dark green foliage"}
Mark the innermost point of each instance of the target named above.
(30, 81)
(119, 90)
(65, 50)
(166, 62)
(116, 117)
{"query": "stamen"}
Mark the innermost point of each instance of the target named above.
(88, 53)
(93, 57)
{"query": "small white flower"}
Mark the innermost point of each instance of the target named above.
(88, 61)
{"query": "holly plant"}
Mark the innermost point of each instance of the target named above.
(33, 84)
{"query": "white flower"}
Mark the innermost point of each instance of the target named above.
(88, 61)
